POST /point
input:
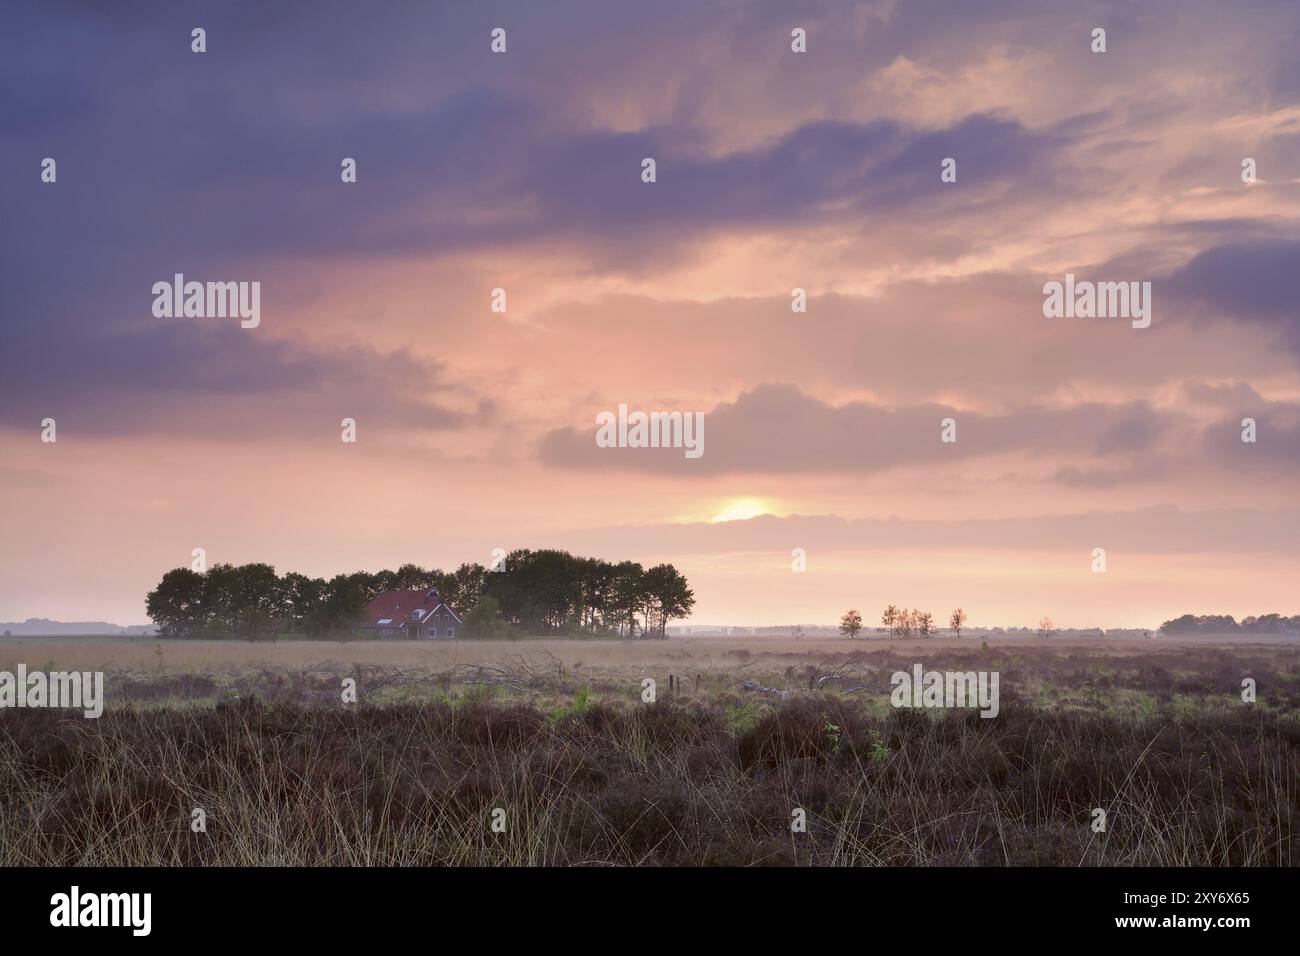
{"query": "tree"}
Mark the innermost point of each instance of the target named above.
(1222, 624)
(957, 621)
(300, 596)
(176, 605)
(924, 622)
(903, 622)
(626, 597)
(669, 596)
(850, 624)
(890, 618)
(346, 596)
(484, 621)
(547, 591)
(1187, 624)
(597, 583)
(1046, 628)
(463, 588)
(540, 591)
(257, 601)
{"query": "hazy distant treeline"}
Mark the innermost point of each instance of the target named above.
(1227, 624)
(546, 592)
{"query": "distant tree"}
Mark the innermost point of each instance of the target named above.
(346, 597)
(1218, 624)
(798, 633)
(547, 591)
(626, 597)
(484, 621)
(1272, 623)
(176, 605)
(1180, 625)
(1046, 628)
(957, 621)
(540, 591)
(461, 588)
(890, 618)
(300, 597)
(850, 624)
(905, 622)
(924, 623)
(257, 600)
(412, 577)
(669, 597)
(597, 583)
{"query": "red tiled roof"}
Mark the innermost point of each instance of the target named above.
(396, 607)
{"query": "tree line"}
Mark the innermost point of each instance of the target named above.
(903, 623)
(1227, 624)
(533, 592)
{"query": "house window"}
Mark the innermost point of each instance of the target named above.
(451, 632)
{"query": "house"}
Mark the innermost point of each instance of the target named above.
(410, 614)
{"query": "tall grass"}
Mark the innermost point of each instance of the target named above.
(668, 783)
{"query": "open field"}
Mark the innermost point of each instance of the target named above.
(556, 735)
(204, 672)
(709, 652)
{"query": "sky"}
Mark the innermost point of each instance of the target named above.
(824, 483)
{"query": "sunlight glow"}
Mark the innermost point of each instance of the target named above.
(741, 509)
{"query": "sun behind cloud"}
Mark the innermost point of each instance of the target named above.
(741, 508)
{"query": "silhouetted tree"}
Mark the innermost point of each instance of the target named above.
(545, 591)
(176, 605)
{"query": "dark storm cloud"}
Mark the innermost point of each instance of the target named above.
(779, 429)
(1277, 438)
(833, 170)
(195, 382)
(1253, 281)
(222, 166)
